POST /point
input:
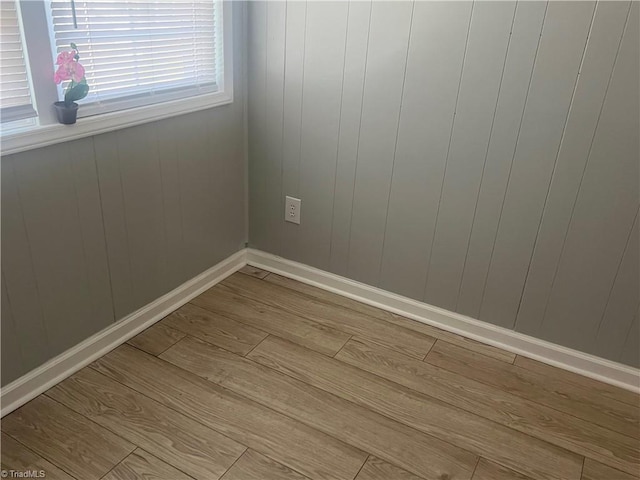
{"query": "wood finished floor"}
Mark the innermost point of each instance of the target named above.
(262, 377)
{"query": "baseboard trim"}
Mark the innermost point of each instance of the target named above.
(588, 365)
(27, 387)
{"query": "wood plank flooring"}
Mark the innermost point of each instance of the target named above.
(265, 378)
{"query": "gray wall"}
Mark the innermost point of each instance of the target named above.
(482, 157)
(96, 228)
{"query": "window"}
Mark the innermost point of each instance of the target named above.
(152, 58)
(15, 92)
(140, 50)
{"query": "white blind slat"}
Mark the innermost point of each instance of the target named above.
(15, 93)
(141, 48)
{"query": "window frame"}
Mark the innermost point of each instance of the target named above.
(49, 132)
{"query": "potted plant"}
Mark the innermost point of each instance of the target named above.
(69, 68)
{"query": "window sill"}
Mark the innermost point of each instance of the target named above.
(44, 135)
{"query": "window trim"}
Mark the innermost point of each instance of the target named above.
(50, 134)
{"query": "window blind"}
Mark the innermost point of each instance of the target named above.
(15, 92)
(141, 51)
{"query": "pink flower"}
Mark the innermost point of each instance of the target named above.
(65, 57)
(71, 70)
(61, 75)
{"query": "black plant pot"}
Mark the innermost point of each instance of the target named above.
(66, 115)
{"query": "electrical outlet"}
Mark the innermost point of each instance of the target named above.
(292, 210)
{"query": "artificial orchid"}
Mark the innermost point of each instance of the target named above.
(69, 68)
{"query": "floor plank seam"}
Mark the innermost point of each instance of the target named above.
(348, 340)
(246, 354)
(246, 449)
(116, 465)
(476, 467)
(174, 466)
(424, 359)
(362, 466)
(132, 346)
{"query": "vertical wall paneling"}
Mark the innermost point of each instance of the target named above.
(227, 154)
(243, 38)
(605, 209)
(471, 141)
(115, 225)
(62, 236)
(322, 96)
(292, 123)
(518, 68)
(169, 164)
(138, 164)
(210, 171)
(554, 78)
(194, 161)
(256, 110)
(602, 48)
(423, 141)
(349, 136)
(631, 351)
(19, 283)
(383, 84)
(11, 354)
(165, 189)
(274, 100)
(484, 62)
(226, 173)
(621, 303)
(87, 192)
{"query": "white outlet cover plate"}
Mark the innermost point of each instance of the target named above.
(292, 210)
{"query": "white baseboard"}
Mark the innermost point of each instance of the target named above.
(588, 365)
(32, 384)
